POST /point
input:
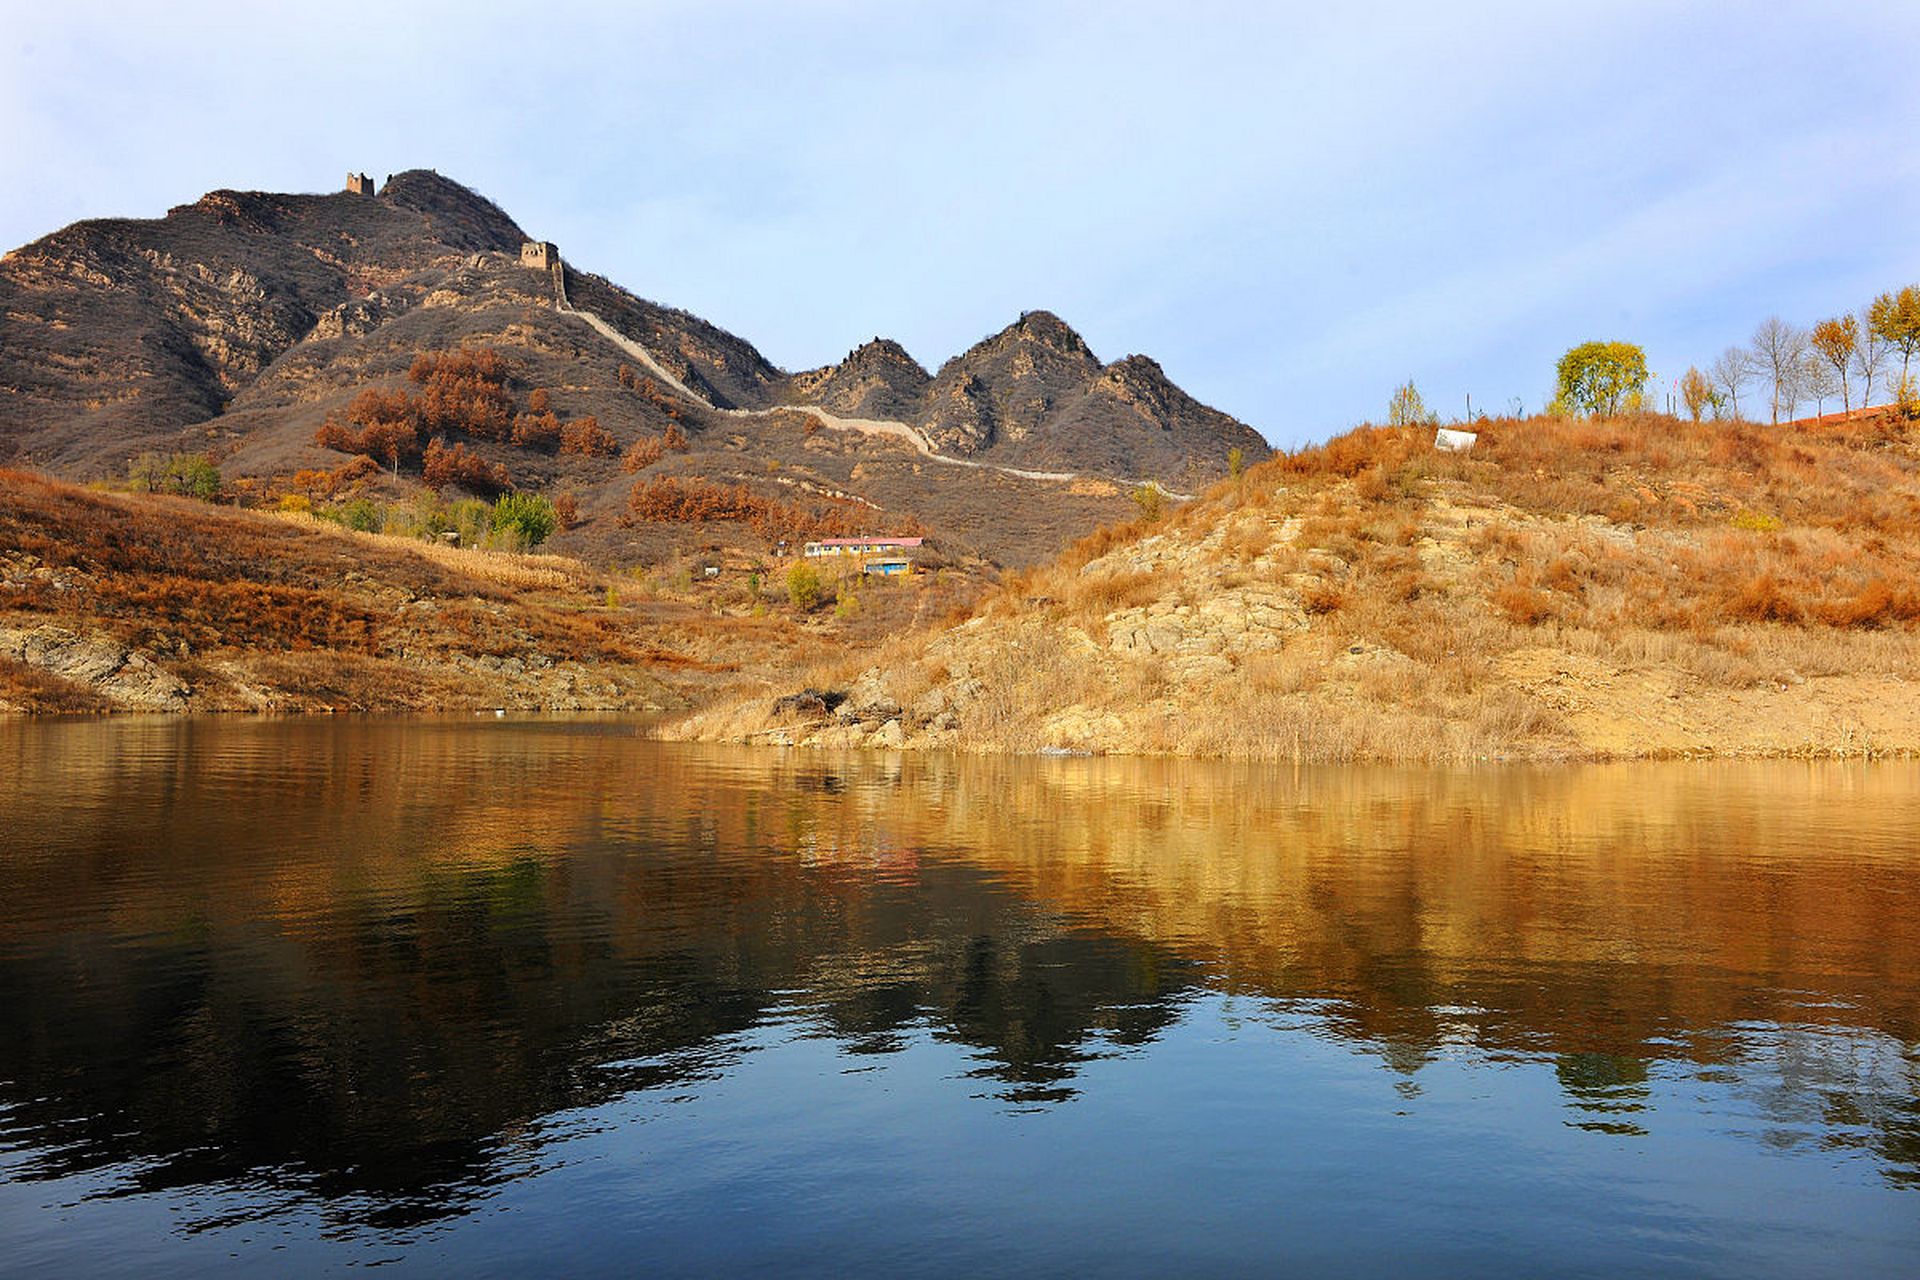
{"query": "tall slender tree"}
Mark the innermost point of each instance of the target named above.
(1697, 393)
(1834, 342)
(1780, 357)
(1732, 370)
(1896, 318)
(1818, 380)
(1869, 357)
(1406, 408)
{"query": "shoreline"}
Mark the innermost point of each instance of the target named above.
(662, 726)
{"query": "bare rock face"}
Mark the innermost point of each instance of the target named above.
(353, 319)
(958, 419)
(1018, 377)
(867, 699)
(129, 679)
(878, 379)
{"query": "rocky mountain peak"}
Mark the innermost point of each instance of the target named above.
(882, 354)
(1048, 328)
(459, 215)
(878, 379)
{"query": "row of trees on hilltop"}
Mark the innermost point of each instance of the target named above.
(1859, 358)
(1845, 356)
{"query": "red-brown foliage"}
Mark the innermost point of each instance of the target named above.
(443, 466)
(1523, 606)
(586, 438)
(464, 390)
(319, 484)
(1323, 597)
(536, 431)
(374, 407)
(674, 440)
(389, 442)
(1877, 604)
(566, 509)
(641, 454)
(31, 689)
(1763, 599)
(671, 499)
(1356, 451)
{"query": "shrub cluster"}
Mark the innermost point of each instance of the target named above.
(513, 522)
(466, 392)
(442, 466)
(649, 390)
(191, 475)
(586, 438)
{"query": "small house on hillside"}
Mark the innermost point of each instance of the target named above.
(895, 548)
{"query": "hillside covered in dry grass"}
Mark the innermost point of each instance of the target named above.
(1632, 587)
(148, 603)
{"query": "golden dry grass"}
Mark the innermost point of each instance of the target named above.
(253, 609)
(1555, 592)
(518, 570)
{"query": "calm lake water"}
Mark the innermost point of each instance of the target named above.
(544, 997)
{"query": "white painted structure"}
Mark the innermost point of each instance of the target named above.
(1454, 441)
(862, 546)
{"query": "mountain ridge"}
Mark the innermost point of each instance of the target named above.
(238, 323)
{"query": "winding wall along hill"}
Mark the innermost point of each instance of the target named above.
(238, 324)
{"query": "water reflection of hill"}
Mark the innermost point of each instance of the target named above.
(365, 959)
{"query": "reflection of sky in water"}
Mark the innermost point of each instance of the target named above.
(481, 996)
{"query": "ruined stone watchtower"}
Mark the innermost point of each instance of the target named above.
(541, 255)
(359, 184)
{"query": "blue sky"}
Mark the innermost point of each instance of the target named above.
(1292, 207)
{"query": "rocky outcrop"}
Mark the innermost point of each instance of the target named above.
(878, 379)
(129, 679)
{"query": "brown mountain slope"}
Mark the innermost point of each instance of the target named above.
(124, 602)
(116, 333)
(877, 380)
(491, 302)
(238, 325)
(1638, 587)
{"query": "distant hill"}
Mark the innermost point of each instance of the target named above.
(1035, 396)
(237, 325)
